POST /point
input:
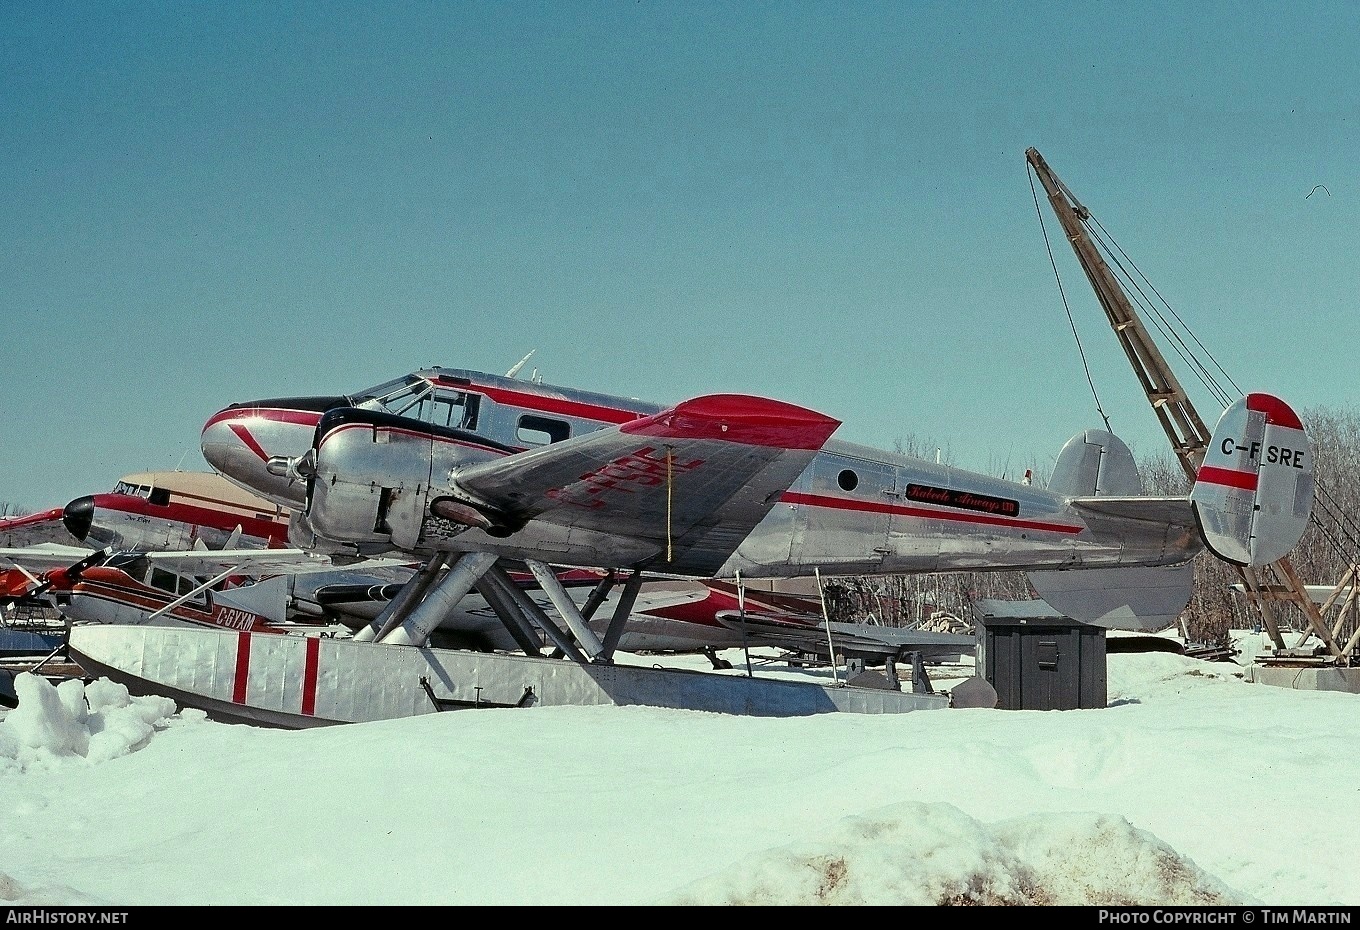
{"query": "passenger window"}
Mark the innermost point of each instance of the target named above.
(539, 431)
(166, 581)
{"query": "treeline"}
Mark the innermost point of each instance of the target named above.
(1330, 546)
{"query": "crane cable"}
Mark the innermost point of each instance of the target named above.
(1071, 322)
(1120, 264)
(669, 453)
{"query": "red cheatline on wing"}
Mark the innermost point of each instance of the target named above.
(32, 519)
(740, 418)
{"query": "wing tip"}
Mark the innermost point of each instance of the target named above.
(740, 418)
(31, 519)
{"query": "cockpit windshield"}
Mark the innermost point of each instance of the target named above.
(421, 399)
(377, 394)
(159, 496)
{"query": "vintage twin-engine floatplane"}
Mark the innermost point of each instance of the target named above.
(164, 533)
(156, 511)
(42, 555)
(457, 462)
(464, 471)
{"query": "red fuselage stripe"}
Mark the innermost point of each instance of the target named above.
(1245, 480)
(559, 405)
(309, 674)
(274, 530)
(272, 414)
(248, 440)
(840, 503)
(238, 694)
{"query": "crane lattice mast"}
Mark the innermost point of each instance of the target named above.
(1274, 583)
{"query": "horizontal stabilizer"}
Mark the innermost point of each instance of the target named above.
(1142, 598)
(1176, 511)
(1253, 493)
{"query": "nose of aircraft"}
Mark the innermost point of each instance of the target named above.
(222, 444)
(78, 517)
(238, 442)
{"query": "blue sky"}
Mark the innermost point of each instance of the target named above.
(826, 203)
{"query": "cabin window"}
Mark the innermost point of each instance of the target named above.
(160, 497)
(539, 431)
(165, 581)
(472, 404)
(847, 480)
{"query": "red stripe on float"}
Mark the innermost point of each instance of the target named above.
(238, 693)
(309, 670)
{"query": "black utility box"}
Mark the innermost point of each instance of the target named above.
(1038, 659)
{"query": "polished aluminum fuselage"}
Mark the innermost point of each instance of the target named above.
(853, 510)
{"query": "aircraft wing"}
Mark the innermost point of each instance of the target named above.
(255, 562)
(41, 558)
(692, 481)
(854, 639)
(1176, 511)
(35, 529)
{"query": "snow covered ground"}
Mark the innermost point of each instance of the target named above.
(1192, 786)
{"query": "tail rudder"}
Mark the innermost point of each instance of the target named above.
(1095, 462)
(1253, 494)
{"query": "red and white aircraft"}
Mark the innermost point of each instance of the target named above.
(157, 511)
(474, 475)
(43, 553)
(161, 536)
(465, 467)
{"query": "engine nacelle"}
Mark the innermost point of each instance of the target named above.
(371, 481)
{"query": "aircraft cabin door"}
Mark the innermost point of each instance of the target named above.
(842, 525)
